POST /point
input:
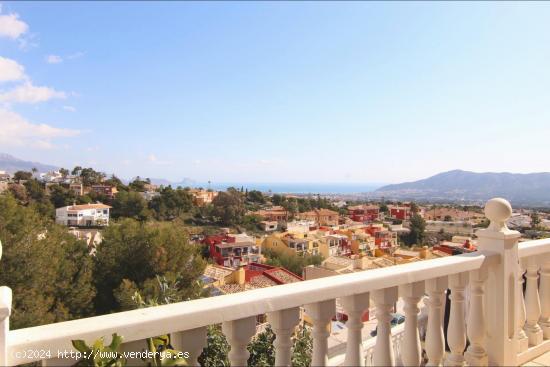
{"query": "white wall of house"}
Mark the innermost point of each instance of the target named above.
(84, 217)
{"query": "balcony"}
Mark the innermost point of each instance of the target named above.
(492, 320)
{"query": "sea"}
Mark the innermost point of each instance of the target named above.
(297, 188)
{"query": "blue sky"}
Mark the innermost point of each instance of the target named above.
(277, 92)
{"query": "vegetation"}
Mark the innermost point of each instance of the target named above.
(100, 355)
(417, 228)
(132, 254)
(48, 269)
(295, 264)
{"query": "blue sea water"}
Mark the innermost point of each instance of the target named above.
(298, 188)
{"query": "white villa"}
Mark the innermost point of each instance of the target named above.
(86, 215)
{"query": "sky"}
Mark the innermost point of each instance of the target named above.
(277, 92)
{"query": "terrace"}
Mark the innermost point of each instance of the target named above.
(504, 324)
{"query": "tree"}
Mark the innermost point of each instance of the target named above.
(130, 205)
(384, 208)
(261, 349)
(255, 196)
(61, 196)
(138, 252)
(89, 176)
(48, 269)
(229, 207)
(302, 347)
(64, 172)
(293, 263)
(22, 175)
(417, 228)
(216, 350)
(448, 218)
(171, 203)
(535, 219)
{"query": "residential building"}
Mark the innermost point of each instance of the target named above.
(86, 215)
(301, 226)
(383, 238)
(399, 212)
(269, 226)
(77, 188)
(233, 250)
(223, 280)
(273, 214)
(107, 190)
(364, 213)
(4, 176)
(203, 197)
(293, 243)
(323, 217)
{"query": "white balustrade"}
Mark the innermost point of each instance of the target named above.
(238, 334)
(411, 350)
(476, 355)
(355, 306)
(284, 323)
(497, 313)
(321, 314)
(544, 293)
(435, 338)
(456, 332)
(192, 341)
(532, 303)
(522, 341)
(384, 300)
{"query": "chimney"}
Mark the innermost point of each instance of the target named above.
(241, 275)
(424, 252)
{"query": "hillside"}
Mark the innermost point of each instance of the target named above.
(11, 164)
(458, 185)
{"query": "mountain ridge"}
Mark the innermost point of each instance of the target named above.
(460, 185)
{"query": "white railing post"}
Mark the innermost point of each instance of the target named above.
(321, 313)
(283, 323)
(435, 338)
(354, 306)
(238, 334)
(456, 332)
(544, 290)
(476, 355)
(411, 350)
(521, 316)
(192, 341)
(532, 303)
(384, 300)
(5, 311)
(502, 285)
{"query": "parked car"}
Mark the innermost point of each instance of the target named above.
(396, 319)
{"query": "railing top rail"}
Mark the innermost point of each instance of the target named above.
(534, 248)
(140, 324)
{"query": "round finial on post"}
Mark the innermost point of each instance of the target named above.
(498, 210)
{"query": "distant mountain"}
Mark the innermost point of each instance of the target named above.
(11, 164)
(523, 189)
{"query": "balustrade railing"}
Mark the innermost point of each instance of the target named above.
(491, 320)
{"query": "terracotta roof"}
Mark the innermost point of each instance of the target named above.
(88, 206)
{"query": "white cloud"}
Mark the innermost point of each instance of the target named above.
(69, 108)
(28, 93)
(10, 70)
(53, 59)
(153, 159)
(16, 131)
(11, 26)
(76, 55)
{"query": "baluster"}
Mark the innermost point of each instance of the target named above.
(238, 334)
(411, 350)
(5, 311)
(544, 291)
(283, 323)
(435, 338)
(523, 342)
(192, 341)
(476, 355)
(456, 332)
(384, 300)
(532, 303)
(321, 313)
(354, 306)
